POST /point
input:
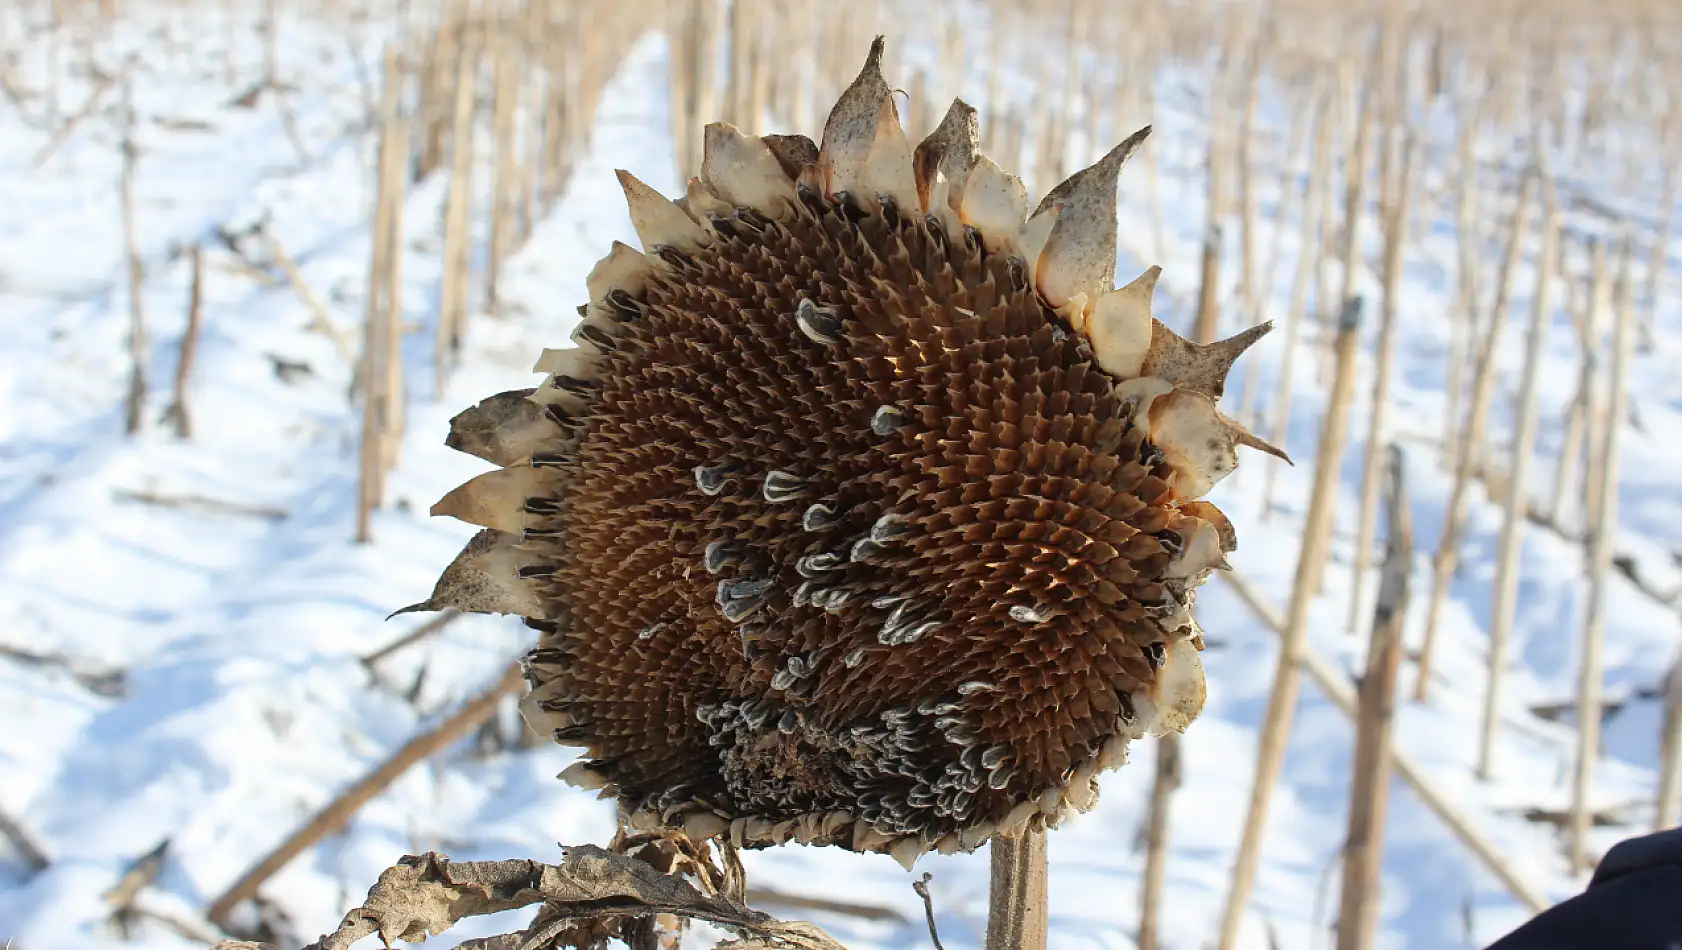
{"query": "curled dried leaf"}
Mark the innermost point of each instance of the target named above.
(426, 895)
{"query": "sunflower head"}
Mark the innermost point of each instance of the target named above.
(865, 510)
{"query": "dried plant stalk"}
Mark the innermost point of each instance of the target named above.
(138, 349)
(1669, 807)
(1018, 895)
(1471, 438)
(321, 321)
(458, 239)
(1584, 317)
(1463, 347)
(1369, 790)
(507, 68)
(1167, 780)
(1207, 323)
(1597, 415)
(178, 414)
(1354, 202)
(1316, 542)
(372, 375)
(1517, 501)
(1314, 210)
(23, 843)
(394, 177)
(1334, 685)
(1246, 188)
(1395, 239)
(1293, 203)
(1659, 260)
(1602, 528)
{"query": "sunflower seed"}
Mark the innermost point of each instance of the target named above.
(803, 594)
(575, 386)
(710, 479)
(863, 550)
(722, 554)
(740, 598)
(886, 421)
(625, 306)
(780, 486)
(814, 564)
(918, 632)
(820, 324)
(1022, 613)
(888, 527)
(595, 336)
(818, 517)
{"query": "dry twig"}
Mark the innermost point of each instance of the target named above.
(200, 503)
(346, 805)
(24, 843)
(177, 413)
(921, 886)
(432, 626)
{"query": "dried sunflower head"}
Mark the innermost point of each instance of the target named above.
(865, 510)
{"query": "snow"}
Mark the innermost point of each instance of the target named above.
(234, 640)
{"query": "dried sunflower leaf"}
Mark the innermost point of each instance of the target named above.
(426, 895)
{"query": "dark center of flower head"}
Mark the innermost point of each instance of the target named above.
(857, 517)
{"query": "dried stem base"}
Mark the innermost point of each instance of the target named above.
(1016, 905)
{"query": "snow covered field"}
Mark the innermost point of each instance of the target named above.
(172, 673)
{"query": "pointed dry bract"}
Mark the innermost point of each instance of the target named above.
(702, 204)
(742, 170)
(1216, 517)
(1119, 326)
(994, 202)
(485, 579)
(1036, 231)
(574, 361)
(1180, 688)
(1200, 449)
(624, 268)
(495, 499)
(1080, 254)
(943, 162)
(864, 151)
(502, 429)
(798, 155)
(658, 221)
(1199, 367)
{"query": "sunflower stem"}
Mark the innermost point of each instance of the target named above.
(1018, 891)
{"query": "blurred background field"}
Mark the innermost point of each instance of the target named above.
(254, 255)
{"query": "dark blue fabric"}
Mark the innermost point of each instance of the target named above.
(1634, 902)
